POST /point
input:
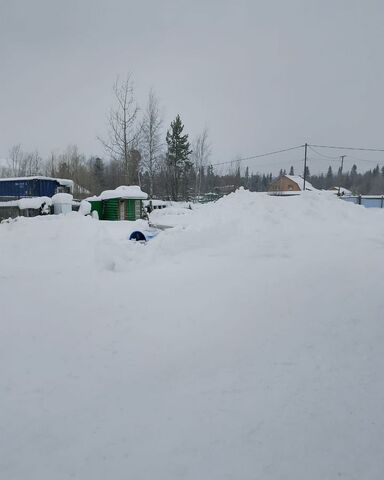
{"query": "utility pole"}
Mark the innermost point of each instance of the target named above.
(341, 171)
(305, 164)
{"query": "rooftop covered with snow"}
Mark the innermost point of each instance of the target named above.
(299, 180)
(133, 192)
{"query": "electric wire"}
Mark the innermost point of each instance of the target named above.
(322, 154)
(348, 148)
(252, 157)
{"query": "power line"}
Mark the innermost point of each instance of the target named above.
(348, 148)
(364, 159)
(349, 156)
(322, 154)
(275, 152)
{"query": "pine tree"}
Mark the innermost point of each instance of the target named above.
(291, 171)
(178, 162)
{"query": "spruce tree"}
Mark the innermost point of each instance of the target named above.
(246, 178)
(291, 171)
(178, 162)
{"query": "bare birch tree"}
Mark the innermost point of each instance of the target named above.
(15, 161)
(22, 163)
(151, 139)
(201, 152)
(123, 132)
(32, 163)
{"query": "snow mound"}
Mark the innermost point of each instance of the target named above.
(244, 343)
(34, 203)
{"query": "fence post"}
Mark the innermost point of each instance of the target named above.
(382, 201)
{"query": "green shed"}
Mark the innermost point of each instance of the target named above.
(123, 203)
(95, 206)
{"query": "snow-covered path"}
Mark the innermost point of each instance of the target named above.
(245, 343)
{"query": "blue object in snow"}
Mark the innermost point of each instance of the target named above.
(137, 236)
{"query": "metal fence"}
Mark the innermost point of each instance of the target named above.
(367, 201)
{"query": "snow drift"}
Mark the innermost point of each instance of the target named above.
(244, 343)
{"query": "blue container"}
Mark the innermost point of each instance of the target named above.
(28, 187)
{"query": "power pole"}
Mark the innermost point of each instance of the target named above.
(305, 164)
(341, 171)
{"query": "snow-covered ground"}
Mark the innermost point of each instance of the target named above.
(245, 343)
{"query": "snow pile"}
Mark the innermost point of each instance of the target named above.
(24, 203)
(244, 343)
(85, 208)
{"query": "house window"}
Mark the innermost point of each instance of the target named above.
(290, 187)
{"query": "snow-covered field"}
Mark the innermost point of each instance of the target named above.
(245, 343)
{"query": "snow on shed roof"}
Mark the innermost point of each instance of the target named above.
(132, 191)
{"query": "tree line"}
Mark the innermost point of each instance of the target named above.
(137, 152)
(166, 164)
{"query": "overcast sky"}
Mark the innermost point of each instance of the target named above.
(261, 75)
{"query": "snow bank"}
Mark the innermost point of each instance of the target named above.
(244, 343)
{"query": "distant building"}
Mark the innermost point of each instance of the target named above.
(289, 183)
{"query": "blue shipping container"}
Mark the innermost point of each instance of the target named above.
(24, 187)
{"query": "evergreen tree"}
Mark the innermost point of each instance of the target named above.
(210, 178)
(329, 178)
(97, 174)
(246, 178)
(291, 171)
(177, 160)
